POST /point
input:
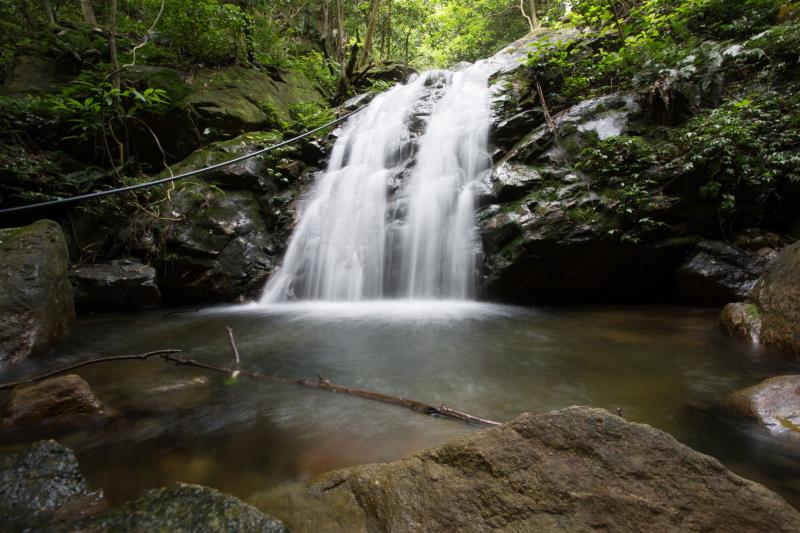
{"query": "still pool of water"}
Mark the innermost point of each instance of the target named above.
(659, 365)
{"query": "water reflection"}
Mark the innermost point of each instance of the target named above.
(657, 364)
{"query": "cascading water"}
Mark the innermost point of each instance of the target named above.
(393, 214)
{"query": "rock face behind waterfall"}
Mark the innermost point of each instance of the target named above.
(35, 293)
(576, 469)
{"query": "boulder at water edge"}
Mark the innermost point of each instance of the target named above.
(119, 285)
(773, 315)
(773, 404)
(575, 469)
(35, 294)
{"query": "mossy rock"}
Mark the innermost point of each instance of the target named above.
(238, 99)
(256, 173)
(35, 293)
(182, 508)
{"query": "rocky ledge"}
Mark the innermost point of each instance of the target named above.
(575, 469)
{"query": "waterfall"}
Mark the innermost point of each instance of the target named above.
(392, 217)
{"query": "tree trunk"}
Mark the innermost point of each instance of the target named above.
(389, 29)
(407, 36)
(326, 29)
(48, 12)
(522, 10)
(534, 16)
(112, 44)
(340, 37)
(373, 16)
(25, 9)
(88, 12)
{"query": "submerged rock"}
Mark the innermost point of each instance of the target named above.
(182, 508)
(773, 404)
(35, 294)
(59, 403)
(43, 485)
(575, 469)
(119, 285)
(718, 273)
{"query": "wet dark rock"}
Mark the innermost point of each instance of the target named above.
(41, 486)
(554, 245)
(54, 404)
(252, 174)
(35, 294)
(773, 404)
(511, 182)
(220, 250)
(718, 273)
(389, 71)
(119, 285)
(182, 508)
(510, 130)
(575, 469)
(358, 101)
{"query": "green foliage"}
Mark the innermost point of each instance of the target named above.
(742, 152)
(731, 19)
(314, 65)
(204, 30)
(622, 164)
(99, 102)
(308, 116)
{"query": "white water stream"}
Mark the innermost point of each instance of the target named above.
(393, 216)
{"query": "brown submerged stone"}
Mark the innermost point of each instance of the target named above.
(63, 402)
(575, 469)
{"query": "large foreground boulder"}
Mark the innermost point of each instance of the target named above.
(182, 508)
(773, 314)
(575, 469)
(41, 486)
(42, 489)
(35, 294)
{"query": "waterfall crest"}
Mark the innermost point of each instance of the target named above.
(392, 217)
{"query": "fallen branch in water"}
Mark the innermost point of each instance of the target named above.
(87, 362)
(321, 383)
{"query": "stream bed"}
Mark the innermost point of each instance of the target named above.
(663, 366)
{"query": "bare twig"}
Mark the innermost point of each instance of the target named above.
(233, 347)
(105, 359)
